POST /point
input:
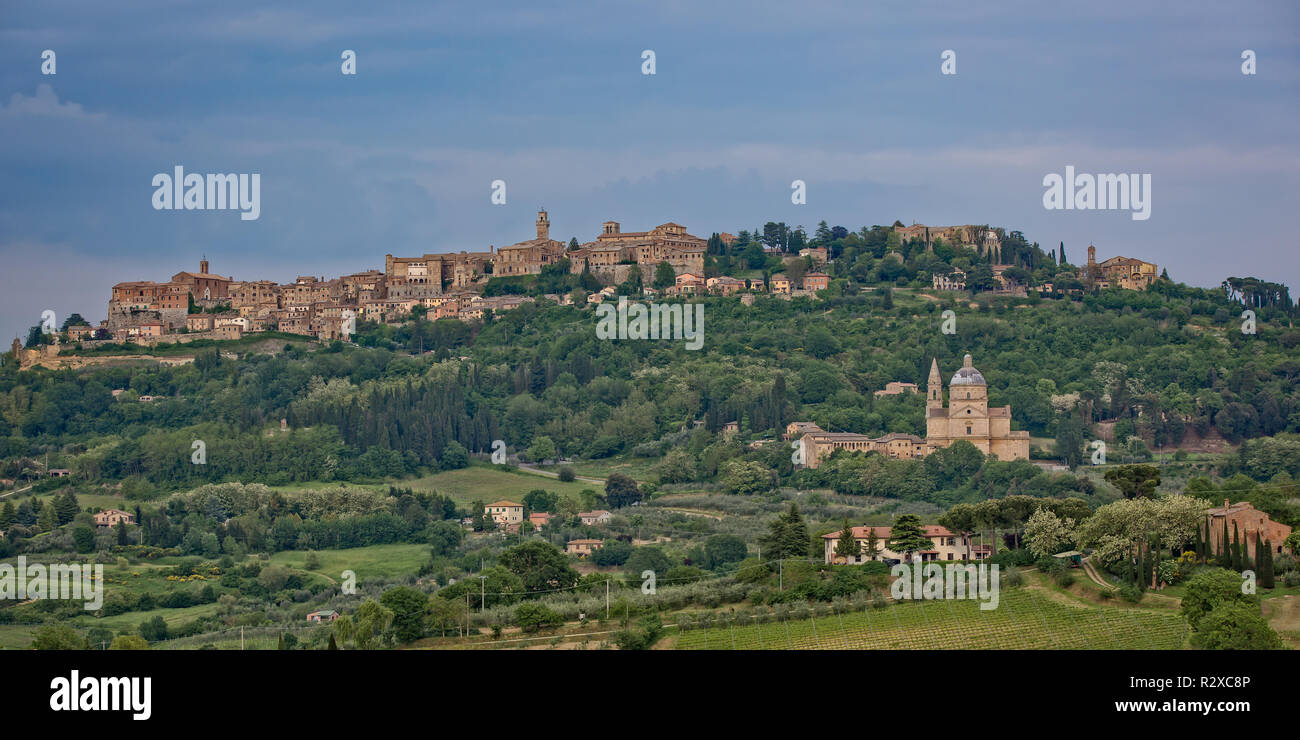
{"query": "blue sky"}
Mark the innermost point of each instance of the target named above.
(549, 97)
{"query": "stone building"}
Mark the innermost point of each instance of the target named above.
(817, 444)
(529, 257)
(981, 238)
(664, 243)
(968, 415)
(1249, 522)
(1128, 273)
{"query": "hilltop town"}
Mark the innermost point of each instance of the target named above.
(665, 261)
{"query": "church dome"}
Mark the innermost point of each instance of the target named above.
(967, 375)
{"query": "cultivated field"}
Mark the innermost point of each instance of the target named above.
(1024, 620)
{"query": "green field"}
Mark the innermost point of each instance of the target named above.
(485, 484)
(1024, 620)
(376, 561)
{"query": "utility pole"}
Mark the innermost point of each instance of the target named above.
(241, 638)
(781, 573)
(607, 598)
(483, 594)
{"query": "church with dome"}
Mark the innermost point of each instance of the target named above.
(968, 416)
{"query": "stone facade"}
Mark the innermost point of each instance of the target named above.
(1249, 522)
(968, 415)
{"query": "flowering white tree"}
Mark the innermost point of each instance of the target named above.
(1046, 532)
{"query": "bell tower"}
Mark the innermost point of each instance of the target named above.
(934, 387)
(543, 225)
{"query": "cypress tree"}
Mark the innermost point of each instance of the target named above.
(1236, 548)
(1265, 558)
(1225, 559)
(333, 645)
(1198, 543)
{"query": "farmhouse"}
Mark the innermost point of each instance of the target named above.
(1248, 521)
(945, 545)
(582, 548)
(505, 513)
(110, 518)
(326, 615)
(599, 516)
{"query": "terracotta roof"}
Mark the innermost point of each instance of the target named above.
(882, 533)
(503, 502)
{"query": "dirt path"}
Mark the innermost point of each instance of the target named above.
(1096, 577)
(551, 474)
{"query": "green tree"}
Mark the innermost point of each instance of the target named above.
(1134, 480)
(540, 565)
(620, 491)
(58, 637)
(646, 558)
(532, 617)
(907, 536)
(1235, 626)
(664, 276)
(410, 609)
(787, 536)
(83, 537)
(154, 629)
(847, 546)
(371, 624)
(129, 642)
(48, 518)
(66, 507)
(542, 448)
(724, 549)
(454, 456)
(1209, 589)
(1264, 556)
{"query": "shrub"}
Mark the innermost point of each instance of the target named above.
(532, 617)
(1210, 589)
(1130, 593)
(1012, 576)
(1235, 625)
(1063, 578)
(566, 474)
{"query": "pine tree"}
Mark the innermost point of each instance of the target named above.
(66, 507)
(48, 518)
(873, 543)
(847, 547)
(333, 645)
(7, 515)
(907, 537)
(1062, 253)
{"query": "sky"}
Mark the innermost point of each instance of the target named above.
(550, 98)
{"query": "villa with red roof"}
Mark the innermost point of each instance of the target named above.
(505, 513)
(945, 545)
